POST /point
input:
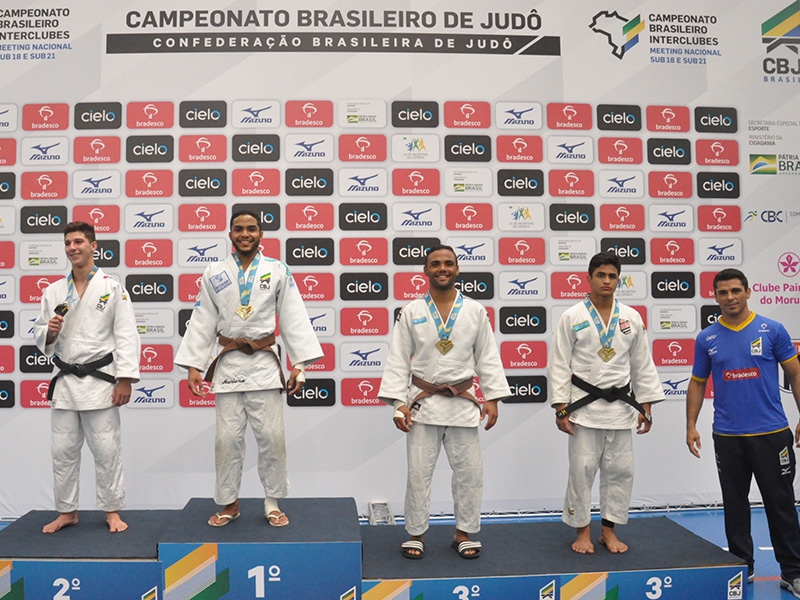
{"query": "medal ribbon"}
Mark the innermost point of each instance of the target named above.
(444, 329)
(246, 279)
(72, 297)
(606, 335)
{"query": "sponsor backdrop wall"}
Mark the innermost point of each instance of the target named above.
(528, 135)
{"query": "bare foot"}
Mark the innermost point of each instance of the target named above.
(226, 515)
(583, 543)
(63, 520)
(115, 523)
(610, 540)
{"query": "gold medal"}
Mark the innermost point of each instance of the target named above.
(444, 346)
(606, 353)
(244, 311)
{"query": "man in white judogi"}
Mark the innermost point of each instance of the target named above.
(439, 343)
(87, 325)
(240, 299)
(600, 352)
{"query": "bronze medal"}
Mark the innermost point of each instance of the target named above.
(244, 311)
(606, 353)
(444, 346)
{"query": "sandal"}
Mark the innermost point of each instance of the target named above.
(223, 519)
(463, 548)
(417, 545)
(274, 518)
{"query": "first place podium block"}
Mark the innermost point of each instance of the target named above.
(317, 556)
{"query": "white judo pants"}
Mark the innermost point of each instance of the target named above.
(463, 449)
(101, 430)
(263, 409)
(610, 450)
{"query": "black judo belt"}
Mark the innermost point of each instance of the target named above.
(623, 393)
(90, 368)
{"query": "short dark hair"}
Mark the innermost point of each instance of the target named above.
(437, 247)
(244, 213)
(604, 258)
(728, 274)
(79, 226)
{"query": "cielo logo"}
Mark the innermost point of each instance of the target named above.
(6, 324)
(718, 185)
(309, 251)
(621, 33)
(107, 253)
(98, 115)
(412, 251)
(150, 288)
(630, 251)
(523, 319)
(309, 182)
(31, 360)
(364, 286)
(676, 284)
(669, 151)
(572, 217)
(520, 182)
(619, 117)
(268, 214)
(255, 148)
(202, 182)
(43, 219)
(149, 148)
(8, 186)
(479, 286)
(715, 119)
(315, 392)
(467, 148)
(415, 114)
(7, 397)
(528, 388)
(362, 217)
(212, 113)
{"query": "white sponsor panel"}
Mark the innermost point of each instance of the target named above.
(671, 218)
(522, 285)
(199, 252)
(570, 149)
(363, 356)
(468, 182)
(153, 322)
(96, 184)
(149, 218)
(416, 148)
(572, 250)
(620, 184)
(416, 216)
(472, 251)
(363, 182)
(8, 220)
(521, 216)
(152, 393)
(361, 114)
(42, 256)
(323, 320)
(672, 319)
(256, 114)
(719, 252)
(632, 286)
(44, 152)
(518, 115)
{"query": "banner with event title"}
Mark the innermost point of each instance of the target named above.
(527, 135)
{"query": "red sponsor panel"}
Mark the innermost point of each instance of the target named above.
(363, 251)
(569, 115)
(148, 253)
(202, 217)
(188, 400)
(622, 217)
(309, 216)
(524, 355)
(309, 113)
(7, 254)
(719, 218)
(707, 284)
(362, 148)
(44, 185)
(96, 150)
(473, 216)
(569, 285)
(669, 184)
(203, 148)
(269, 247)
(521, 251)
(672, 251)
(467, 115)
(642, 310)
(189, 286)
(33, 394)
(415, 182)
(104, 217)
(150, 115)
(673, 352)
(316, 286)
(31, 287)
(574, 182)
(156, 358)
(619, 151)
(8, 152)
(519, 148)
(6, 360)
(721, 153)
(152, 183)
(45, 117)
(364, 321)
(361, 391)
(256, 182)
(668, 118)
(490, 312)
(408, 286)
(326, 363)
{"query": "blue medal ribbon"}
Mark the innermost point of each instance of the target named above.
(246, 283)
(72, 297)
(606, 333)
(444, 329)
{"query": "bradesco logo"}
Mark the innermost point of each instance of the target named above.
(479, 286)
(465, 217)
(568, 285)
(520, 182)
(315, 392)
(668, 118)
(524, 355)
(212, 113)
(98, 115)
(467, 148)
(156, 358)
(148, 253)
(408, 286)
(521, 251)
(365, 321)
(33, 394)
(149, 148)
(7, 396)
(7, 359)
(8, 152)
(719, 218)
(412, 251)
(630, 251)
(523, 319)
(519, 148)
(268, 214)
(8, 186)
(363, 251)
(361, 392)
(621, 217)
(148, 183)
(562, 115)
(415, 182)
(105, 218)
(673, 352)
(32, 287)
(717, 152)
(309, 251)
(255, 148)
(202, 182)
(619, 117)
(354, 216)
(202, 217)
(675, 284)
(714, 119)
(309, 113)
(669, 151)
(189, 286)
(415, 114)
(669, 184)
(364, 286)
(150, 115)
(572, 217)
(203, 148)
(617, 150)
(524, 389)
(362, 148)
(45, 117)
(309, 182)
(718, 185)
(43, 219)
(107, 254)
(309, 217)
(7, 253)
(96, 150)
(6, 324)
(48, 185)
(256, 182)
(467, 115)
(150, 288)
(315, 286)
(32, 360)
(672, 251)
(188, 400)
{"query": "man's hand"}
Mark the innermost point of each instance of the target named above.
(563, 423)
(403, 423)
(296, 380)
(644, 424)
(195, 382)
(122, 392)
(54, 326)
(693, 440)
(489, 410)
